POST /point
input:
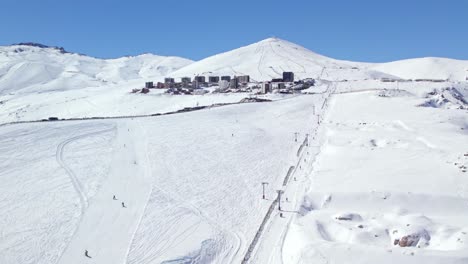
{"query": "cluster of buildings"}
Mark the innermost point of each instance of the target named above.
(199, 81)
(187, 85)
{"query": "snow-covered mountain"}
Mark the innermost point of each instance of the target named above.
(38, 68)
(371, 171)
(426, 68)
(268, 58)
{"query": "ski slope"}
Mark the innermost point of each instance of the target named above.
(386, 164)
(39, 82)
(190, 183)
(387, 169)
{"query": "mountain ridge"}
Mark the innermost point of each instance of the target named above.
(32, 67)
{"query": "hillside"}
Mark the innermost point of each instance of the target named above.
(426, 68)
(38, 68)
(268, 58)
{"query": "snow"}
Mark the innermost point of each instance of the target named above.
(383, 179)
(26, 69)
(396, 167)
(269, 58)
(191, 184)
(426, 68)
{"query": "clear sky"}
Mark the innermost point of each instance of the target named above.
(359, 30)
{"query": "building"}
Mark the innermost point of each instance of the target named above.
(199, 79)
(226, 78)
(265, 87)
(168, 80)
(288, 76)
(160, 85)
(223, 85)
(169, 85)
(185, 80)
(234, 83)
(149, 85)
(277, 80)
(278, 86)
(213, 79)
(243, 79)
(195, 84)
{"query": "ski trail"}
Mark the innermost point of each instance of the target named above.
(75, 182)
(147, 174)
(107, 228)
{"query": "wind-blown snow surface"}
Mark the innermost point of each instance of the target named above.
(191, 184)
(26, 69)
(388, 171)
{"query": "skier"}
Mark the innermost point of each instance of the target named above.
(123, 205)
(114, 197)
(287, 199)
(86, 254)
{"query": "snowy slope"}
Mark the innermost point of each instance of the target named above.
(269, 58)
(426, 68)
(26, 68)
(191, 184)
(389, 186)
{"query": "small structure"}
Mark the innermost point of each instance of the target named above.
(168, 80)
(185, 80)
(265, 87)
(226, 78)
(277, 80)
(199, 79)
(169, 85)
(213, 79)
(278, 86)
(223, 85)
(160, 85)
(288, 76)
(243, 79)
(195, 84)
(149, 85)
(234, 83)
(145, 90)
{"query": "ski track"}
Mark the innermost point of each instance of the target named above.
(73, 178)
(197, 211)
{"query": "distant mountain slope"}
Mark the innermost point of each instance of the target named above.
(270, 57)
(426, 68)
(36, 68)
(30, 67)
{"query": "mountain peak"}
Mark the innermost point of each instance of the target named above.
(39, 45)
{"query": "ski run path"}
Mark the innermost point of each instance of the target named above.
(191, 184)
(129, 182)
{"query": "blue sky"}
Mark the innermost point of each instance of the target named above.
(359, 30)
